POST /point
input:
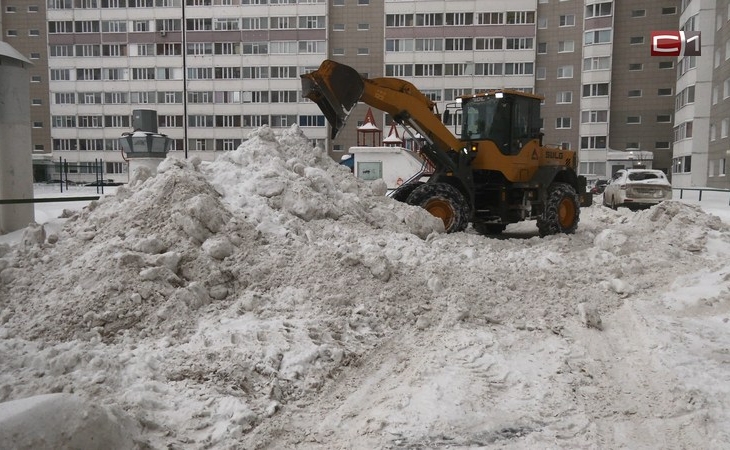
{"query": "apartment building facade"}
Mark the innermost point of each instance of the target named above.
(23, 26)
(215, 70)
(604, 95)
(702, 127)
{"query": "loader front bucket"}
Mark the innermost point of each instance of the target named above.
(335, 88)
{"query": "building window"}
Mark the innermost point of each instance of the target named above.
(666, 64)
(593, 142)
(429, 20)
(597, 63)
(565, 72)
(562, 123)
(597, 37)
(634, 93)
(664, 92)
(598, 10)
(724, 128)
(481, 43)
(669, 10)
(599, 116)
(311, 121)
(566, 46)
(683, 131)
(459, 19)
(36, 102)
(520, 17)
(35, 79)
(564, 97)
(541, 48)
(338, 27)
(455, 43)
(683, 164)
(399, 20)
(541, 73)
(664, 118)
(60, 74)
(518, 68)
(633, 120)
(542, 23)
(638, 13)
(11, 33)
(636, 66)
(517, 43)
(595, 90)
(687, 96)
(567, 20)
(636, 40)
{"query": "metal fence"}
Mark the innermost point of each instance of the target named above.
(703, 194)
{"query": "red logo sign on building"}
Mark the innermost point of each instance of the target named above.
(675, 43)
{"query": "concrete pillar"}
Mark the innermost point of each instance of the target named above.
(16, 157)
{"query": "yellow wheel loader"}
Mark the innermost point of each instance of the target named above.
(498, 173)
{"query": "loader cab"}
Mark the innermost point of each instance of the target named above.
(510, 119)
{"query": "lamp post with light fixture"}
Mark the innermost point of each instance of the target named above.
(144, 146)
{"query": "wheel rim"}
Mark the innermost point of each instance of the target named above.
(441, 209)
(566, 213)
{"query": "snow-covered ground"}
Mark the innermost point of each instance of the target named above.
(271, 300)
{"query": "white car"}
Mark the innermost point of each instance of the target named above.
(637, 188)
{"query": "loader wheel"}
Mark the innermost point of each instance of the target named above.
(401, 193)
(443, 201)
(562, 213)
(489, 228)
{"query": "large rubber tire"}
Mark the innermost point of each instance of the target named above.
(402, 192)
(489, 228)
(444, 201)
(562, 211)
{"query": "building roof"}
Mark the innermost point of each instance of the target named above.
(9, 52)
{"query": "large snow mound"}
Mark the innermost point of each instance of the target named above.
(271, 299)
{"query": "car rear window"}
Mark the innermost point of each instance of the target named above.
(639, 176)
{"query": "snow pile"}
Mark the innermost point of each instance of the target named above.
(278, 182)
(159, 258)
(271, 299)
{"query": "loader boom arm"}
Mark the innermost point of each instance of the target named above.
(406, 104)
(336, 88)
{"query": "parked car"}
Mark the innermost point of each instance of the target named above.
(637, 188)
(598, 187)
